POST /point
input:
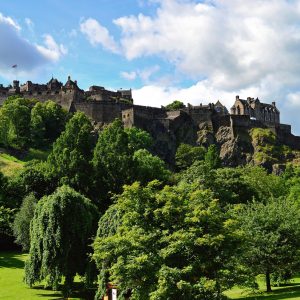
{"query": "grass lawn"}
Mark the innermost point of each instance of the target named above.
(10, 165)
(12, 285)
(288, 292)
(11, 280)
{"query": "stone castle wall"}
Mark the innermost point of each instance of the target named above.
(104, 106)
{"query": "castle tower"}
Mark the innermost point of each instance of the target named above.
(15, 87)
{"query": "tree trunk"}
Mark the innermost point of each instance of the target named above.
(268, 282)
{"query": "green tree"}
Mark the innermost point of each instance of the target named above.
(47, 122)
(170, 244)
(266, 185)
(122, 156)
(21, 225)
(72, 152)
(186, 155)
(36, 177)
(272, 237)
(176, 104)
(6, 220)
(138, 139)
(61, 231)
(112, 159)
(231, 185)
(6, 233)
(148, 167)
(15, 123)
(212, 158)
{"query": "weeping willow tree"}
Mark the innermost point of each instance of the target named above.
(61, 232)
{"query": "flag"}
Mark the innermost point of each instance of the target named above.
(14, 66)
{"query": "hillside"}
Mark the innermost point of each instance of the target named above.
(10, 164)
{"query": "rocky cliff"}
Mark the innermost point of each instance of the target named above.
(256, 146)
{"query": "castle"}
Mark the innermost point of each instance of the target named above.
(169, 127)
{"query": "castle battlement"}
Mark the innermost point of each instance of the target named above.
(103, 106)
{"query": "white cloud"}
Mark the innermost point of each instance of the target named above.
(52, 51)
(250, 48)
(146, 73)
(129, 75)
(233, 43)
(98, 35)
(143, 74)
(201, 92)
(10, 22)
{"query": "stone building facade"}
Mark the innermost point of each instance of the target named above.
(266, 113)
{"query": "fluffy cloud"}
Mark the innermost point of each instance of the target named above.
(129, 75)
(8, 21)
(14, 49)
(230, 47)
(98, 35)
(52, 51)
(144, 74)
(232, 43)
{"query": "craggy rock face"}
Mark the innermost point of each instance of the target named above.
(205, 135)
(257, 146)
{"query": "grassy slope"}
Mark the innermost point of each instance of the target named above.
(9, 165)
(288, 292)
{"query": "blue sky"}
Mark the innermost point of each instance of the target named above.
(195, 51)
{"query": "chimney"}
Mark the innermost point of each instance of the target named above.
(69, 77)
(237, 97)
(274, 104)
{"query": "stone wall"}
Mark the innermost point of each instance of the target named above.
(102, 111)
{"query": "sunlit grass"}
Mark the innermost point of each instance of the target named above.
(290, 291)
(9, 165)
(12, 285)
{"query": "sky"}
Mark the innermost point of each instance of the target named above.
(165, 50)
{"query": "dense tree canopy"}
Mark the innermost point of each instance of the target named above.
(186, 155)
(72, 152)
(112, 159)
(47, 122)
(26, 122)
(15, 123)
(170, 244)
(122, 156)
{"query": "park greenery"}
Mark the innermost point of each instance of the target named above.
(100, 205)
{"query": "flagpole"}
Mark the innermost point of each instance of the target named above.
(15, 67)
